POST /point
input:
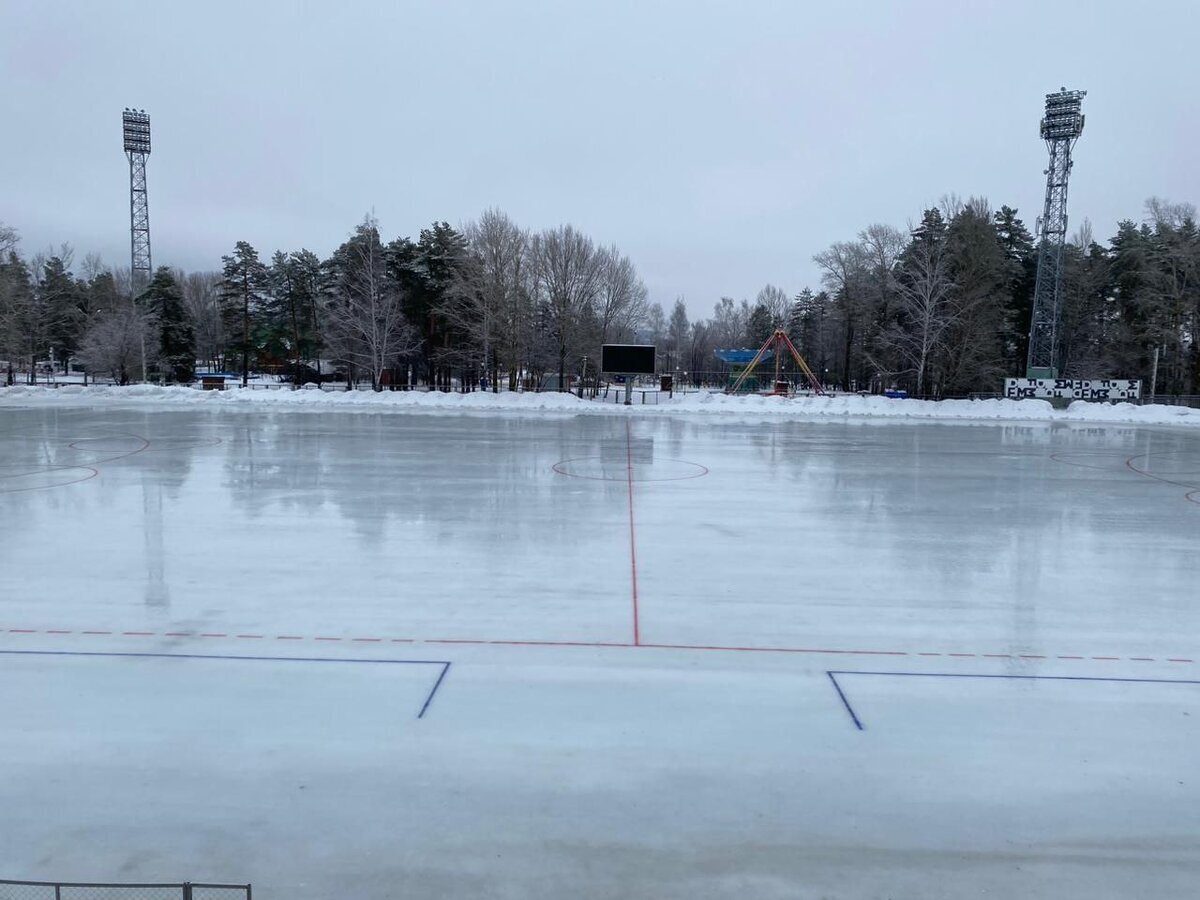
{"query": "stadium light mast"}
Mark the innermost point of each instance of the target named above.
(1060, 129)
(136, 127)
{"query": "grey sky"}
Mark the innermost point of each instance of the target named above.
(720, 145)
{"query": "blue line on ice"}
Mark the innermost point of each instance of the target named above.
(445, 664)
(859, 725)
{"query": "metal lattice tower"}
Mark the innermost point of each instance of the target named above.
(1060, 130)
(136, 127)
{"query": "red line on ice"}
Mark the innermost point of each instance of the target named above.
(637, 635)
(615, 644)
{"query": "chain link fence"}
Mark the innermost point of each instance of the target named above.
(62, 890)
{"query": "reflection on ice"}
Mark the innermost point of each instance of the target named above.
(1007, 536)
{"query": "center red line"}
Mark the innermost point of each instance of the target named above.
(637, 636)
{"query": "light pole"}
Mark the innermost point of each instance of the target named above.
(1060, 129)
(135, 128)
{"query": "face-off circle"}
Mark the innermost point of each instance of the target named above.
(1167, 463)
(603, 468)
(16, 478)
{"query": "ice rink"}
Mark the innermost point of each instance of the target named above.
(390, 654)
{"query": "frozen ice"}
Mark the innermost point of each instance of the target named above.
(204, 602)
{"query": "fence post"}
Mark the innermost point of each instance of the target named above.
(58, 892)
(187, 890)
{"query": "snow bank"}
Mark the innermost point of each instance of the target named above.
(690, 404)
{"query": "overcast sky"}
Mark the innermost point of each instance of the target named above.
(720, 145)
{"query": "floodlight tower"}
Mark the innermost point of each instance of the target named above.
(136, 127)
(1060, 130)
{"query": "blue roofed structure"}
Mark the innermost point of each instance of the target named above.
(742, 357)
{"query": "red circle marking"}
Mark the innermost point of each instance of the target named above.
(1159, 458)
(1058, 457)
(88, 471)
(561, 469)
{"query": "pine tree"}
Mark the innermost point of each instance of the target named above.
(760, 327)
(16, 320)
(293, 330)
(243, 287)
(1021, 271)
(163, 299)
(62, 298)
(426, 272)
(978, 268)
(1136, 332)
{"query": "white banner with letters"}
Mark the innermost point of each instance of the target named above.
(1098, 389)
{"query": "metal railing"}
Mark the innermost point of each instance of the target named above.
(77, 890)
(615, 393)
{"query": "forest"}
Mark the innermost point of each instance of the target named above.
(940, 308)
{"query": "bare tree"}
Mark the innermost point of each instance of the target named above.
(1162, 212)
(567, 274)
(678, 330)
(654, 330)
(114, 342)
(491, 301)
(202, 300)
(1173, 291)
(844, 270)
(776, 305)
(364, 313)
(9, 238)
(729, 322)
(622, 297)
(923, 312)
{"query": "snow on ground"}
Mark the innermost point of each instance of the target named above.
(703, 403)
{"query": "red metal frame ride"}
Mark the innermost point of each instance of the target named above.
(777, 341)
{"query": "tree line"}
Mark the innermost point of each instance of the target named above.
(940, 309)
(489, 303)
(943, 308)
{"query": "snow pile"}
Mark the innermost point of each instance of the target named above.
(703, 403)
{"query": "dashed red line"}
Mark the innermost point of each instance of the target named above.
(824, 650)
(558, 644)
(601, 644)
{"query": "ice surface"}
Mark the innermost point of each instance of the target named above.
(714, 759)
